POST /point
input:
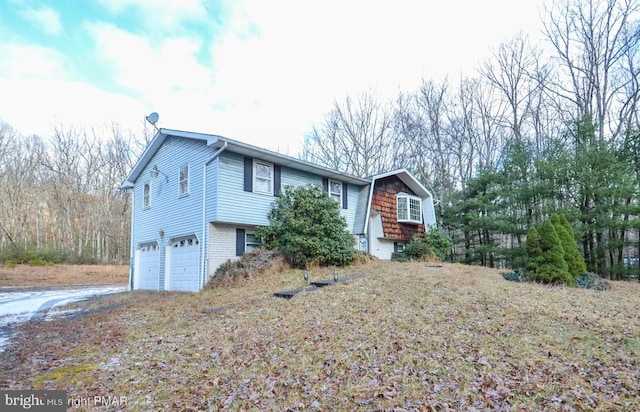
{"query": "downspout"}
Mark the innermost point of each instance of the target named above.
(205, 237)
(131, 247)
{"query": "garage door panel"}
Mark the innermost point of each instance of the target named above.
(184, 265)
(149, 267)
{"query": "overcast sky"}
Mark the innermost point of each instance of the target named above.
(257, 71)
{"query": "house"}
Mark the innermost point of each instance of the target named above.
(197, 199)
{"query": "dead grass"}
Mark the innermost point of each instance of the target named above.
(63, 275)
(407, 337)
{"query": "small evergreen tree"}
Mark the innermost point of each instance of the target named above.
(306, 226)
(534, 250)
(572, 256)
(551, 266)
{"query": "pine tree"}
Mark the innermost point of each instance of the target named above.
(572, 256)
(534, 250)
(551, 268)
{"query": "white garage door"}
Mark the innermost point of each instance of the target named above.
(184, 264)
(148, 266)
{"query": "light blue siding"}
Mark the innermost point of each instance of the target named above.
(170, 215)
(235, 205)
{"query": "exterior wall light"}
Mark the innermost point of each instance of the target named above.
(154, 172)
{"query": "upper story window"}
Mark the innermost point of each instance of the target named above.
(335, 191)
(183, 188)
(146, 195)
(409, 209)
(262, 177)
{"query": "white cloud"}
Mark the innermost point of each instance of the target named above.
(275, 67)
(38, 106)
(45, 19)
(31, 61)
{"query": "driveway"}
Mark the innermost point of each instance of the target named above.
(18, 306)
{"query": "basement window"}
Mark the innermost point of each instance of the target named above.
(409, 208)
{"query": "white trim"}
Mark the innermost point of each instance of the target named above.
(144, 197)
(257, 162)
(409, 198)
(167, 266)
(188, 179)
(340, 184)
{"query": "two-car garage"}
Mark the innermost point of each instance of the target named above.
(181, 263)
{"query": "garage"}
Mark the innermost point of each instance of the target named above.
(184, 264)
(148, 263)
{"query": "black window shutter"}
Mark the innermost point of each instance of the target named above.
(248, 174)
(276, 180)
(344, 195)
(239, 242)
(325, 184)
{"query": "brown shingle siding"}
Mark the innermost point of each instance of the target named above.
(384, 201)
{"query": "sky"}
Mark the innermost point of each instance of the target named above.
(262, 72)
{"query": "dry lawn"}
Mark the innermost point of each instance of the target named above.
(406, 337)
(63, 275)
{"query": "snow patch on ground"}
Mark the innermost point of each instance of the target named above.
(18, 307)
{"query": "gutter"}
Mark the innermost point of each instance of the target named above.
(205, 237)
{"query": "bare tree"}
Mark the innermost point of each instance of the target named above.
(356, 137)
(421, 123)
(593, 39)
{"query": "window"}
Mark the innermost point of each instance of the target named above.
(335, 191)
(183, 188)
(146, 195)
(246, 242)
(409, 209)
(262, 177)
(251, 242)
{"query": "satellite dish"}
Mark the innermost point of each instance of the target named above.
(153, 118)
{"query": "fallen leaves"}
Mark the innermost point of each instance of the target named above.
(403, 338)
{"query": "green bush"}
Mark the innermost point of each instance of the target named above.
(438, 241)
(590, 280)
(10, 263)
(306, 227)
(545, 257)
(37, 262)
(572, 256)
(515, 276)
(417, 248)
(400, 257)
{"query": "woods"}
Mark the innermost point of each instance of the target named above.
(59, 197)
(540, 128)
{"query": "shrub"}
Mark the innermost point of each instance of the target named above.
(438, 241)
(37, 262)
(10, 263)
(306, 226)
(399, 257)
(515, 276)
(590, 280)
(572, 256)
(549, 266)
(249, 265)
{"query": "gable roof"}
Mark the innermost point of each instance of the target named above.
(407, 178)
(236, 147)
